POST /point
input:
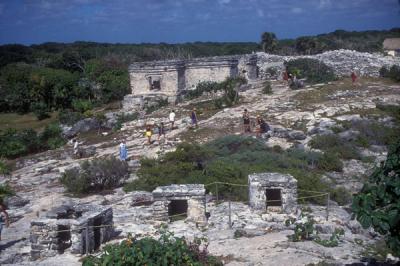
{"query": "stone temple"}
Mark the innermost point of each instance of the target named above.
(169, 80)
(273, 192)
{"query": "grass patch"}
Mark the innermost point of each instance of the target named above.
(335, 147)
(26, 121)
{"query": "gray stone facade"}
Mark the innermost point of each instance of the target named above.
(168, 80)
(273, 192)
(192, 196)
(64, 228)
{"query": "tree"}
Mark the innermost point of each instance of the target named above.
(378, 203)
(268, 41)
(306, 45)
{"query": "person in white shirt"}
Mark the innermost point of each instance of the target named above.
(172, 118)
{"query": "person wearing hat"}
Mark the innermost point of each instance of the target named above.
(193, 117)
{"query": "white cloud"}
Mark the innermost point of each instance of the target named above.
(296, 10)
(324, 4)
(260, 13)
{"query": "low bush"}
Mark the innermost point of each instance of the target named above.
(314, 71)
(341, 195)
(393, 72)
(15, 143)
(203, 87)
(330, 162)
(374, 133)
(40, 110)
(333, 240)
(5, 191)
(167, 250)
(4, 168)
(267, 89)
(96, 175)
(81, 106)
(303, 228)
(51, 137)
(230, 88)
(335, 146)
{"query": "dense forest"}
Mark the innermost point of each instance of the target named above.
(53, 76)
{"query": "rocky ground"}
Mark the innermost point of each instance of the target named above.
(294, 116)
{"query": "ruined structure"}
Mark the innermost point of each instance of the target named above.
(156, 81)
(65, 227)
(184, 201)
(273, 192)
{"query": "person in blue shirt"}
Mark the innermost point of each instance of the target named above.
(123, 151)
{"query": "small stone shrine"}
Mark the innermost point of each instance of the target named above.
(65, 226)
(273, 192)
(180, 201)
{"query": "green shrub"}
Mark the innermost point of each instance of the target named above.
(313, 70)
(5, 191)
(333, 240)
(4, 168)
(229, 159)
(335, 146)
(267, 89)
(304, 228)
(330, 162)
(341, 195)
(51, 137)
(230, 89)
(96, 175)
(392, 73)
(374, 133)
(15, 143)
(167, 250)
(81, 106)
(40, 110)
(203, 87)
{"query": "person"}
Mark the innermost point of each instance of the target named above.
(161, 130)
(149, 133)
(3, 220)
(193, 117)
(123, 151)
(353, 78)
(172, 118)
(263, 127)
(246, 121)
(76, 148)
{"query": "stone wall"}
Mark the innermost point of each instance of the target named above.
(259, 183)
(343, 62)
(195, 194)
(65, 227)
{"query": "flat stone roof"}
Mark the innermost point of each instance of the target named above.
(272, 178)
(179, 190)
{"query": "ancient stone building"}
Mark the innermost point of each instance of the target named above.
(273, 192)
(184, 201)
(168, 80)
(64, 227)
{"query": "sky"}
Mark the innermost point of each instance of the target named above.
(177, 21)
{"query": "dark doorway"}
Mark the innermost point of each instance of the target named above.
(97, 233)
(177, 209)
(273, 197)
(156, 85)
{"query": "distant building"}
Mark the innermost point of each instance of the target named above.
(392, 46)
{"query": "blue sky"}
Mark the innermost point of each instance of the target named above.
(174, 21)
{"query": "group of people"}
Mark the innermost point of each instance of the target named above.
(161, 129)
(262, 127)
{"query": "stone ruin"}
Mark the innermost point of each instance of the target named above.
(64, 227)
(168, 80)
(180, 201)
(273, 192)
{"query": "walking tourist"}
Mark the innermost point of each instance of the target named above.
(123, 151)
(4, 218)
(172, 118)
(246, 121)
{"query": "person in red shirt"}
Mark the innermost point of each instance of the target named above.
(353, 77)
